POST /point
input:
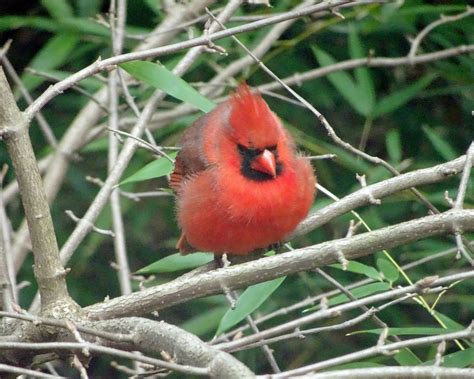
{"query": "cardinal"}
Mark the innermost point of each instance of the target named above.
(239, 182)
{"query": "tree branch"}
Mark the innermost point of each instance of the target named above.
(398, 372)
(380, 190)
(49, 272)
(268, 268)
(151, 337)
(204, 40)
(376, 350)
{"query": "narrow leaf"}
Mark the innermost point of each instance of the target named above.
(459, 359)
(449, 322)
(52, 55)
(360, 268)
(399, 98)
(58, 8)
(156, 169)
(441, 146)
(390, 272)
(177, 262)
(249, 301)
(159, 77)
(359, 292)
(205, 322)
(344, 83)
(394, 145)
(362, 74)
(406, 357)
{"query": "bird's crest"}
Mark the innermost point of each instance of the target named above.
(253, 123)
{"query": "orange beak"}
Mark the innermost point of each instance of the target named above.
(265, 163)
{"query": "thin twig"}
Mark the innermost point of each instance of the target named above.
(24, 371)
(117, 24)
(78, 220)
(443, 20)
(321, 314)
(42, 122)
(376, 350)
(100, 64)
(74, 346)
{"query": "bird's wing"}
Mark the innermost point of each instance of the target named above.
(191, 159)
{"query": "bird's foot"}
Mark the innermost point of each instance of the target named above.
(278, 247)
(222, 261)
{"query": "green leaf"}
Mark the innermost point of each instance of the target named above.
(405, 357)
(344, 84)
(52, 55)
(248, 302)
(359, 292)
(75, 25)
(459, 359)
(177, 262)
(88, 8)
(159, 77)
(346, 159)
(390, 272)
(449, 322)
(156, 169)
(399, 98)
(360, 268)
(362, 74)
(16, 22)
(440, 144)
(205, 322)
(100, 144)
(91, 84)
(154, 5)
(58, 8)
(394, 145)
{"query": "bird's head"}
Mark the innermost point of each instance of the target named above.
(257, 135)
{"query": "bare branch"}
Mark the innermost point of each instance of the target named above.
(380, 190)
(378, 349)
(412, 372)
(350, 64)
(443, 20)
(8, 288)
(329, 312)
(42, 122)
(23, 371)
(465, 177)
(100, 64)
(268, 268)
(151, 337)
(49, 272)
(93, 227)
(75, 346)
(120, 247)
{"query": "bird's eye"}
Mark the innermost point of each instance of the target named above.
(242, 149)
(272, 149)
(248, 151)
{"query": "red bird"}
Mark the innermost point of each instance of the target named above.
(240, 184)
